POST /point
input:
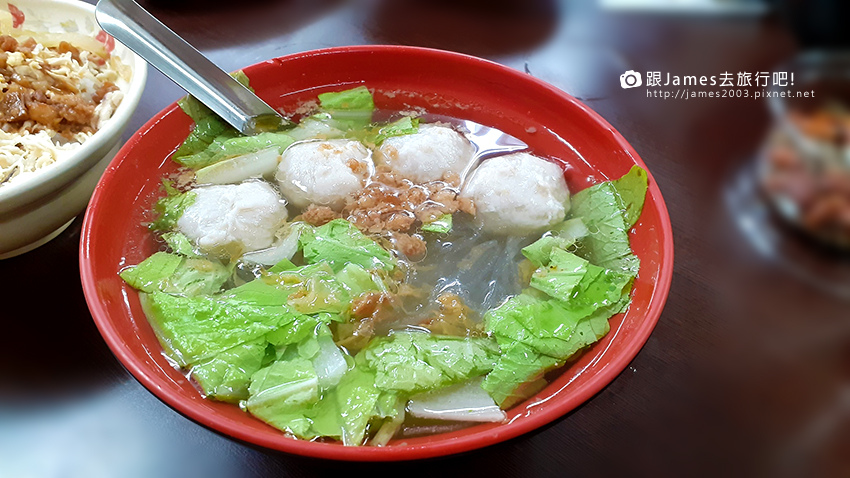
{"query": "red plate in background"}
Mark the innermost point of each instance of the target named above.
(551, 122)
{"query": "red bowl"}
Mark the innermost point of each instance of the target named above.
(551, 122)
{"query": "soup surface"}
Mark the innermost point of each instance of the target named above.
(364, 275)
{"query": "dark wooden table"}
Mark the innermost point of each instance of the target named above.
(746, 374)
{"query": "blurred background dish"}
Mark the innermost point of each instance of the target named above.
(41, 193)
(806, 163)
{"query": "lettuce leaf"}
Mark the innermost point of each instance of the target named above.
(247, 144)
(283, 265)
(175, 274)
(632, 190)
(242, 78)
(196, 329)
(320, 293)
(149, 274)
(356, 397)
(280, 393)
(562, 236)
(300, 329)
(197, 110)
(517, 374)
(350, 109)
(230, 144)
(355, 99)
(205, 131)
(357, 280)
(410, 362)
(339, 243)
(538, 252)
(578, 284)
(607, 245)
(400, 127)
(180, 244)
(544, 336)
(170, 207)
(194, 108)
(311, 391)
(205, 157)
(441, 225)
(226, 376)
(197, 276)
(285, 395)
(310, 289)
(566, 309)
(609, 210)
(261, 292)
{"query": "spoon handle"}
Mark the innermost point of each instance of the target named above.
(133, 26)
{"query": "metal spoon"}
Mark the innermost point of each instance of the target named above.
(133, 26)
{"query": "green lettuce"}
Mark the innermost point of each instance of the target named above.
(339, 243)
(206, 156)
(578, 284)
(347, 110)
(196, 329)
(357, 280)
(518, 374)
(197, 276)
(441, 225)
(176, 274)
(260, 291)
(226, 376)
(180, 244)
(310, 289)
(247, 144)
(563, 236)
(411, 362)
(283, 265)
(355, 99)
(380, 132)
(632, 190)
(149, 274)
(536, 336)
(194, 108)
(300, 329)
(205, 131)
(230, 144)
(565, 310)
(286, 395)
(356, 397)
(298, 393)
(280, 394)
(169, 208)
(609, 210)
(320, 293)
(197, 110)
(607, 246)
(539, 251)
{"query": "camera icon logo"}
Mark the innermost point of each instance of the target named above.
(630, 79)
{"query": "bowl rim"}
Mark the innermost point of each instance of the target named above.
(456, 445)
(114, 125)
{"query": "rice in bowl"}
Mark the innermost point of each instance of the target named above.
(57, 90)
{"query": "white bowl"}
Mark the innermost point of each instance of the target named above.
(37, 207)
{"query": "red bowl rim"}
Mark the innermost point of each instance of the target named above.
(334, 451)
